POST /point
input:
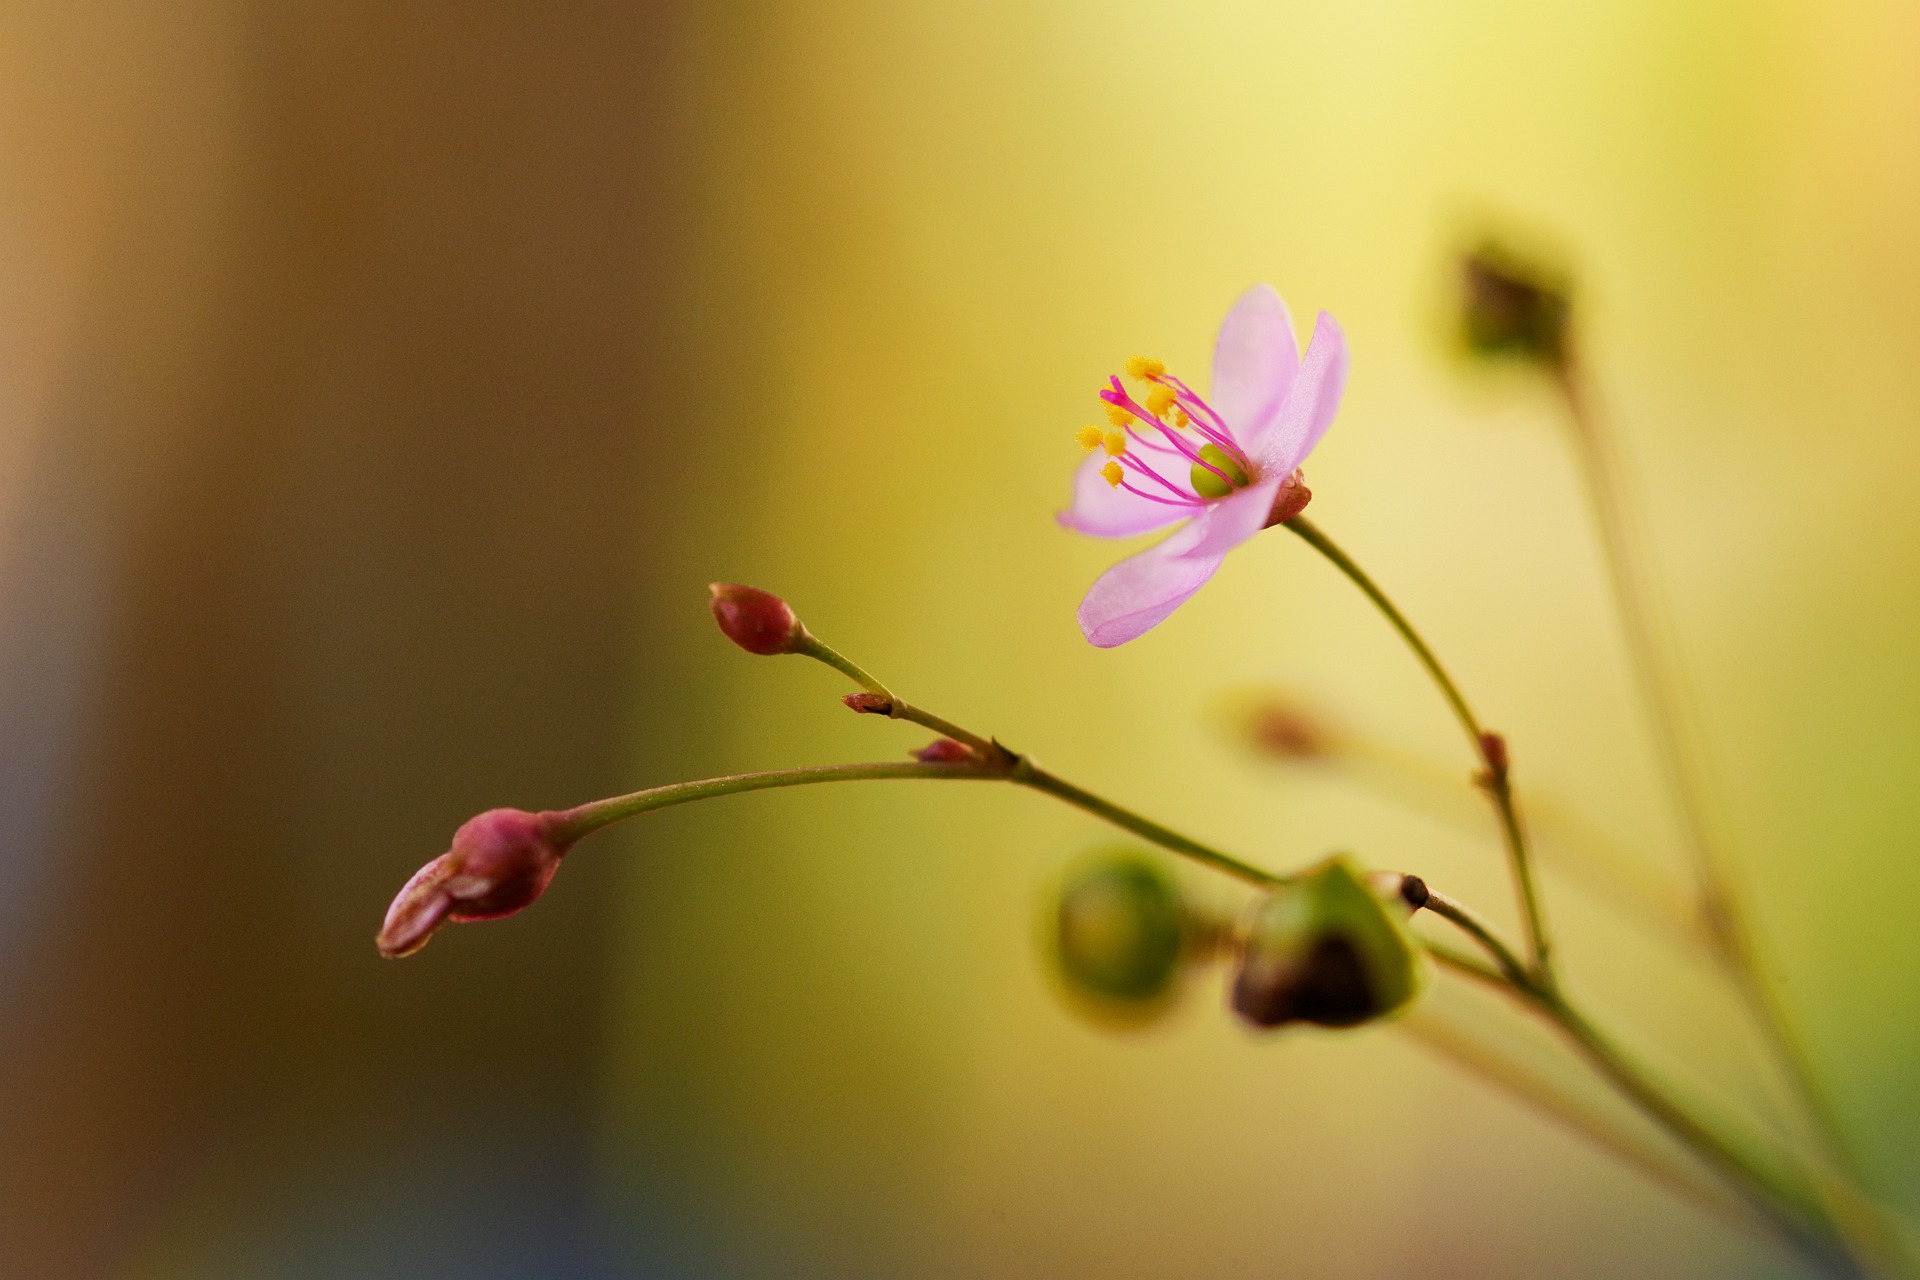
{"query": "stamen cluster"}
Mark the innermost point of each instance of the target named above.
(1169, 447)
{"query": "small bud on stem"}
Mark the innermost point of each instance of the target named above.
(758, 621)
(946, 751)
(499, 863)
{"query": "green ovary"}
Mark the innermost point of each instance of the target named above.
(1209, 485)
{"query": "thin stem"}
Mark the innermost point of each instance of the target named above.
(1469, 923)
(809, 645)
(572, 824)
(1806, 1224)
(1664, 695)
(1028, 774)
(1453, 1040)
(1495, 779)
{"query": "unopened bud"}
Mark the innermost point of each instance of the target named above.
(869, 704)
(1512, 307)
(500, 862)
(945, 751)
(1278, 725)
(758, 621)
(1325, 949)
(1493, 749)
(1120, 928)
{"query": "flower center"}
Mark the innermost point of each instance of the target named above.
(1169, 446)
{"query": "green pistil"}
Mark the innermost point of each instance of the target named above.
(1207, 483)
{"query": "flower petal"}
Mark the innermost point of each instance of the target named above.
(1137, 594)
(1310, 406)
(1254, 361)
(1105, 511)
(1231, 521)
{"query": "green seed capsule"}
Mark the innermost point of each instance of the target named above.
(1119, 930)
(1209, 485)
(1326, 950)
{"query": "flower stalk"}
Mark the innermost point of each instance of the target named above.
(1495, 776)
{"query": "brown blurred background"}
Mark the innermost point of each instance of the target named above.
(331, 329)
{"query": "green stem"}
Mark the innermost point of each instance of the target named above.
(1028, 774)
(571, 824)
(1495, 779)
(1804, 1222)
(1663, 694)
(1460, 1043)
(808, 645)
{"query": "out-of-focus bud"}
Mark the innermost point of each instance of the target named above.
(1120, 929)
(500, 862)
(758, 621)
(1278, 724)
(1325, 949)
(945, 751)
(1512, 307)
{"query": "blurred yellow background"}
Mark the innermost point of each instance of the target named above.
(383, 386)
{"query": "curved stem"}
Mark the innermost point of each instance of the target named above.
(1028, 774)
(1459, 1043)
(1490, 748)
(1664, 695)
(570, 825)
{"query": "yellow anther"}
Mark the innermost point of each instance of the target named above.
(1159, 400)
(1180, 418)
(1145, 367)
(1111, 473)
(1089, 438)
(1117, 416)
(1116, 442)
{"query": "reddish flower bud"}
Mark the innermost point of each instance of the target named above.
(499, 863)
(1493, 749)
(869, 704)
(758, 621)
(945, 751)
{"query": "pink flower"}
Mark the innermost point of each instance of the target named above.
(499, 863)
(1228, 467)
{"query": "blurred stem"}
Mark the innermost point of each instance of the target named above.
(1664, 694)
(1800, 1216)
(1495, 778)
(1458, 1042)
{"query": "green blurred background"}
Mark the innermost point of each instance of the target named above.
(380, 386)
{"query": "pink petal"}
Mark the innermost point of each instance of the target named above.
(1310, 406)
(1254, 360)
(1231, 521)
(1137, 594)
(1107, 512)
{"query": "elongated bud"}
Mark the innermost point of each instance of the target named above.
(1511, 307)
(1327, 950)
(1120, 928)
(499, 863)
(758, 621)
